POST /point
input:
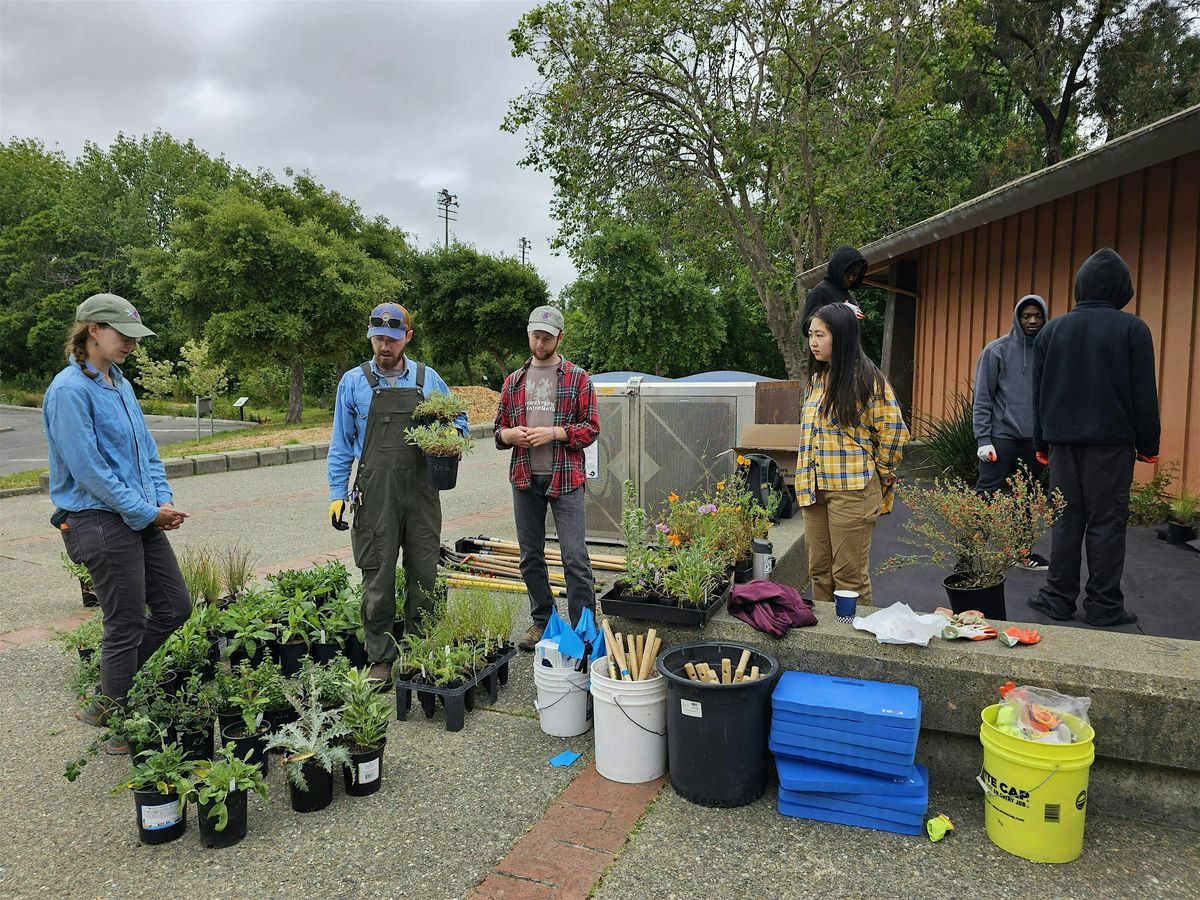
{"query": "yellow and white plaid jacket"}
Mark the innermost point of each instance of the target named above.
(834, 458)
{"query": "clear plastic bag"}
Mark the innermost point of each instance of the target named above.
(1043, 715)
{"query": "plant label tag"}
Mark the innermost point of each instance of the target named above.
(162, 816)
(368, 771)
(591, 460)
(232, 785)
(323, 636)
(258, 719)
(691, 708)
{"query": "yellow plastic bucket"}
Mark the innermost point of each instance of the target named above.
(1035, 795)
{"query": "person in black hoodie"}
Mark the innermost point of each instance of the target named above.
(846, 270)
(1095, 408)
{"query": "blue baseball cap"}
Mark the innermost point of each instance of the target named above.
(389, 320)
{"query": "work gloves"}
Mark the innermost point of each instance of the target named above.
(1142, 457)
(337, 511)
(986, 453)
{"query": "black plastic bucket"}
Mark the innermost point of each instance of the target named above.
(717, 733)
(235, 827)
(320, 789)
(160, 818)
(364, 775)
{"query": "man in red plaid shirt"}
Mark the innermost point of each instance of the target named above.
(548, 415)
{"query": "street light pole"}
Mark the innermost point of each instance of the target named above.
(445, 201)
(525, 246)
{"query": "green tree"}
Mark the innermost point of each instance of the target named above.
(644, 313)
(469, 303)
(206, 376)
(264, 288)
(768, 130)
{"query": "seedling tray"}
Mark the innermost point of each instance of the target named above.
(613, 602)
(456, 700)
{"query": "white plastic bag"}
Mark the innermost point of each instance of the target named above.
(898, 624)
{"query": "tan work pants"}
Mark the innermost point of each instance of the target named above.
(837, 530)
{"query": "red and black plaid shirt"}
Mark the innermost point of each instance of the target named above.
(574, 411)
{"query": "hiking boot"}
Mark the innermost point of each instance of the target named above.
(116, 746)
(381, 672)
(95, 713)
(532, 635)
(1126, 618)
(1034, 562)
(1046, 608)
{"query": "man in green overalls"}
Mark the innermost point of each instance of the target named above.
(393, 505)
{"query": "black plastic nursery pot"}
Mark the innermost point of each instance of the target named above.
(987, 600)
(717, 733)
(290, 655)
(90, 599)
(1179, 534)
(355, 651)
(320, 789)
(364, 775)
(235, 827)
(324, 651)
(456, 700)
(253, 742)
(197, 745)
(441, 472)
(160, 818)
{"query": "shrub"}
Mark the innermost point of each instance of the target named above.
(1148, 503)
(950, 441)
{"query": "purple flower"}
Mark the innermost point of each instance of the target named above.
(708, 508)
(662, 528)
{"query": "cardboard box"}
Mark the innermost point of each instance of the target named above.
(780, 442)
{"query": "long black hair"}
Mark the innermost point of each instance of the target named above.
(850, 377)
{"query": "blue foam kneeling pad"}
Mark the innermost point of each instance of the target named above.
(852, 699)
(876, 765)
(901, 731)
(900, 810)
(804, 811)
(814, 729)
(799, 775)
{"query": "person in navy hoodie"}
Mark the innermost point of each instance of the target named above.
(114, 505)
(1095, 409)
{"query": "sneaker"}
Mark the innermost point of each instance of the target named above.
(1126, 618)
(532, 635)
(95, 713)
(1034, 562)
(116, 746)
(1046, 608)
(381, 672)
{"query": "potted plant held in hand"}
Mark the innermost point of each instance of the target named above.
(365, 715)
(160, 784)
(220, 794)
(982, 536)
(439, 439)
(310, 751)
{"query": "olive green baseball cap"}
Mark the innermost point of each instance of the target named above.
(547, 319)
(114, 311)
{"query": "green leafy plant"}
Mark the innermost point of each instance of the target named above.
(236, 566)
(188, 647)
(313, 738)
(78, 571)
(366, 712)
(201, 574)
(254, 690)
(194, 705)
(1149, 502)
(982, 536)
(1185, 507)
(949, 441)
(439, 406)
(328, 680)
(245, 627)
(694, 572)
(643, 562)
(300, 623)
(84, 636)
(163, 770)
(439, 439)
(341, 616)
(216, 780)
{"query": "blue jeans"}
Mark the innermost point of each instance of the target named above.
(530, 510)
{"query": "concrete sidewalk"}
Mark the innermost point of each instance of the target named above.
(456, 810)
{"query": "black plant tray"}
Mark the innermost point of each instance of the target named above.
(613, 602)
(455, 700)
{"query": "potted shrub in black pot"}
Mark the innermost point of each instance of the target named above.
(220, 792)
(981, 536)
(194, 711)
(311, 748)
(244, 720)
(365, 715)
(297, 633)
(82, 640)
(84, 577)
(160, 784)
(1181, 519)
(439, 438)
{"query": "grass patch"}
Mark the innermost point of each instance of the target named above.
(28, 478)
(316, 428)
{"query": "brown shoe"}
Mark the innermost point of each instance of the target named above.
(532, 636)
(381, 672)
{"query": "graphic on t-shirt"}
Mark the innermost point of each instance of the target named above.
(540, 397)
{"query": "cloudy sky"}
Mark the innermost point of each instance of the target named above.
(386, 102)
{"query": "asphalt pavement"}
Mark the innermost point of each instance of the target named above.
(452, 805)
(23, 443)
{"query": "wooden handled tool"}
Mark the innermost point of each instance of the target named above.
(635, 664)
(646, 660)
(614, 648)
(651, 656)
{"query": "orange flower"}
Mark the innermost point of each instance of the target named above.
(673, 498)
(674, 539)
(742, 461)
(720, 485)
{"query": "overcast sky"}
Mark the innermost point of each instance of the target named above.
(385, 102)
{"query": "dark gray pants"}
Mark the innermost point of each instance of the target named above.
(131, 570)
(1009, 455)
(530, 509)
(1094, 480)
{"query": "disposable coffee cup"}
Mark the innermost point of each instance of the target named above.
(847, 604)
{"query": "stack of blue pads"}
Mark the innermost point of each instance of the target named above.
(844, 750)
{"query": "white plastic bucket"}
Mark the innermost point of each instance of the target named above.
(563, 702)
(631, 726)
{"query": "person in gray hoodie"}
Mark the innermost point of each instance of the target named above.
(1003, 405)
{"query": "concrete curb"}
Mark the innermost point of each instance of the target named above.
(234, 460)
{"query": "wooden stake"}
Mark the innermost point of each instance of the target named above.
(612, 667)
(741, 666)
(651, 657)
(644, 648)
(754, 674)
(635, 664)
(614, 648)
(726, 671)
(640, 647)
(691, 671)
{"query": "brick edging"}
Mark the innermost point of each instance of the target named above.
(567, 851)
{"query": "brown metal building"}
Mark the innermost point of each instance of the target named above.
(953, 279)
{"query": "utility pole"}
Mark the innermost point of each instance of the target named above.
(525, 246)
(446, 200)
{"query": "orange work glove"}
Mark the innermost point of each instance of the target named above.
(1141, 457)
(1043, 458)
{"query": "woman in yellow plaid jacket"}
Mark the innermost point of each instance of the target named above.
(852, 437)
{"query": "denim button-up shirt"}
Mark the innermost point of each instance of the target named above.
(102, 455)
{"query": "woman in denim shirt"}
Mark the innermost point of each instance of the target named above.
(114, 503)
